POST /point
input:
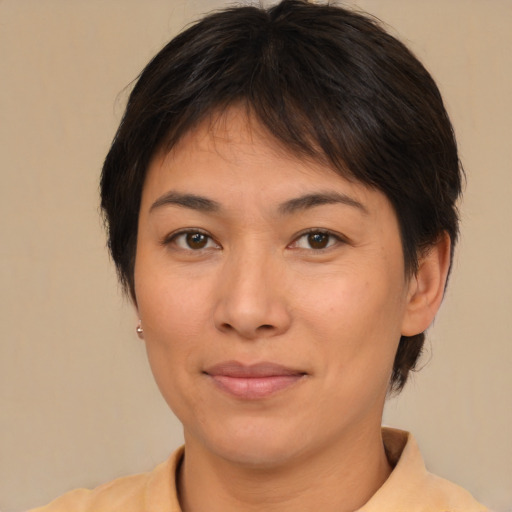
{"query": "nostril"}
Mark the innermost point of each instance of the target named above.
(262, 329)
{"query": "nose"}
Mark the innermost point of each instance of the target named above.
(252, 301)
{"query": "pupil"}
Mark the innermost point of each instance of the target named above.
(196, 240)
(318, 240)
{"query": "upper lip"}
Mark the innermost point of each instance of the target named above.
(236, 369)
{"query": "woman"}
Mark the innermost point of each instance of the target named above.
(280, 202)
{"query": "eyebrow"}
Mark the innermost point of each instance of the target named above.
(191, 201)
(312, 200)
(204, 204)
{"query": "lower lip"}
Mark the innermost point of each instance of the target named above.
(254, 388)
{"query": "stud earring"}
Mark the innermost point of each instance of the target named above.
(140, 330)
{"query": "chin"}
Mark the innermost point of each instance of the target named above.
(256, 444)
(257, 455)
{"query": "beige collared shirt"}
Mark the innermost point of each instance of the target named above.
(409, 488)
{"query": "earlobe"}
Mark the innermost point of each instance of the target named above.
(426, 287)
(139, 330)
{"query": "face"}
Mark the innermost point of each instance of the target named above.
(272, 295)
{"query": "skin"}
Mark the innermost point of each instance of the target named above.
(258, 289)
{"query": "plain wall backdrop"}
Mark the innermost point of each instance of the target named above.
(78, 404)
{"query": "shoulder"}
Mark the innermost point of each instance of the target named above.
(446, 495)
(154, 490)
(411, 488)
(120, 494)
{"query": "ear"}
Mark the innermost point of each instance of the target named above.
(426, 287)
(133, 301)
(139, 330)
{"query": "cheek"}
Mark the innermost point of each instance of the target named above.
(355, 318)
(172, 305)
(174, 314)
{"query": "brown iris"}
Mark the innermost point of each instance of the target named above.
(318, 240)
(196, 240)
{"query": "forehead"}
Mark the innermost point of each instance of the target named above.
(236, 133)
(230, 155)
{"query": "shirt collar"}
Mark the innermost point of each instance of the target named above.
(409, 488)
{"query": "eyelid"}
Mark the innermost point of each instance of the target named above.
(340, 239)
(171, 237)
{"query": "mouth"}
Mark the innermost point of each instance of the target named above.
(253, 382)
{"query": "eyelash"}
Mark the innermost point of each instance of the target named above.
(173, 237)
(316, 231)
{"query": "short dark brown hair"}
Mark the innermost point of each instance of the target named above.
(329, 84)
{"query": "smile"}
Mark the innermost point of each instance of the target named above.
(253, 382)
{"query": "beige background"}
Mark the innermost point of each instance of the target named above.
(77, 402)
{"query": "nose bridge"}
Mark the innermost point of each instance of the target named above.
(251, 298)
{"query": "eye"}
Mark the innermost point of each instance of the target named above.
(316, 240)
(192, 240)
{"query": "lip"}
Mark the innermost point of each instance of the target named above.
(255, 381)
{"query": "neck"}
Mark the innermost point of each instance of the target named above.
(340, 477)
